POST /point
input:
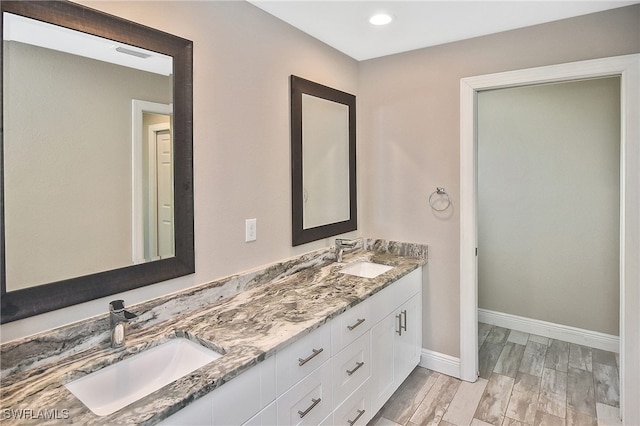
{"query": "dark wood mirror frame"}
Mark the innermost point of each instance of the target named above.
(300, 235)
(48, 297)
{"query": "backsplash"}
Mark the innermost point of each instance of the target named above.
(397, 248)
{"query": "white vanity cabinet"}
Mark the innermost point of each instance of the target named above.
(355, 410)
(408, 339)
(396, 339)
(310, 401)
(348, 326)
(351, 368)
(302, 357)
(341, 373)
(246, 394)
(197, 413)
(303, 379)
(234, 402)
(268, 416)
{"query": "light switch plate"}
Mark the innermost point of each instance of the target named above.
(249, 230)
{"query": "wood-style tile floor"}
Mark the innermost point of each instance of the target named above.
(524, 380)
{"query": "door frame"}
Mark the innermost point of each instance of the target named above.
(627, 67)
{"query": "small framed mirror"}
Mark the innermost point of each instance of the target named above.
(323, 161)
(96, 189)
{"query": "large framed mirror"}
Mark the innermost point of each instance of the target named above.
(323, 161)
(96, 190)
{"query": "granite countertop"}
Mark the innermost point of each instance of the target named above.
(248, 326)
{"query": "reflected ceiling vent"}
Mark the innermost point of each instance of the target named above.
(133, 52)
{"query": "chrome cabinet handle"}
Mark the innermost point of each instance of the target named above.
(351, 327)
(314, 403)
(352, 422)
(314, 354)
(358, 365)
(402, 325)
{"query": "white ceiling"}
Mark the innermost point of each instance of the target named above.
(344, 24)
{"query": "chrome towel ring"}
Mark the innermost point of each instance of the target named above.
(442, 196)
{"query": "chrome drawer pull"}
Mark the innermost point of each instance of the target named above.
(404, 314)
(360, 321)
(352, 422)
(305, 412)
(315, 353)
(358, 365)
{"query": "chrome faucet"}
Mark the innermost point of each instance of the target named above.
(342, 244)
(118, 316)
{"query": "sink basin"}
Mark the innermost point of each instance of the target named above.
(366, 269)
(111, 388)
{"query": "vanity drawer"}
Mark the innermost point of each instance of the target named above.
(301, 358)
(356, 410)
(308, 402)
(351, 368)
(350, 325)
(390, 298)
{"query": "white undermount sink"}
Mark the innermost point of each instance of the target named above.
(116, 386)
(365, 269)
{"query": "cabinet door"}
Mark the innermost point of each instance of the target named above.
(381, 381)
(407, 338)
(199, 412)
(238, 400)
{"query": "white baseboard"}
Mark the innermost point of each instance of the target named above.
(551, 330)
(442, 363)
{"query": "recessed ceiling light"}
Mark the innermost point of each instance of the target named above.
(380, 19)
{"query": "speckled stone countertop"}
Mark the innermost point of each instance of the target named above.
(248, 317)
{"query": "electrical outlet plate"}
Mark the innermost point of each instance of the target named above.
(249, 230)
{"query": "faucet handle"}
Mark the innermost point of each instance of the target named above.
(116, 305)
(343, 242)
(129, 315)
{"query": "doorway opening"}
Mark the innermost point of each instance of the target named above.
(548, 209)
(628, 69)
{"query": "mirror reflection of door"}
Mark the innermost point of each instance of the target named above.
(153, 192)
(160, 192)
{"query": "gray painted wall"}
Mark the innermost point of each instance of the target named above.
(409, 140)
(243, 58)
(548, 202)
(408, 137)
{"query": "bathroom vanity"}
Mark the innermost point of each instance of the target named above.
(341, 373)
(300, 342)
